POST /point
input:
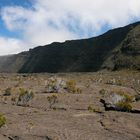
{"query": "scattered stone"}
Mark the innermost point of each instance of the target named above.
(118, 103)
(55, 85)
(111, 101)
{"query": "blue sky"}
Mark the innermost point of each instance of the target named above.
(26, 24)
(4, 3)
(26, 3)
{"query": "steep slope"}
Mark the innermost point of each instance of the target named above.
(116, 49)
(13, 63)
(127, 55)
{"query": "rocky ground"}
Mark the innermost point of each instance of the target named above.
(68, 106)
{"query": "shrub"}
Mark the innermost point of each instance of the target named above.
(7, 92)
(14, 100)
(54, 85)
(51, 85)
(115, 82)
(52, 100)
(30, 126)
(58, 85)
(2, 120)
(124, 106)
(125, 103)
(91, 109)
(119, 82)
(71, 87)
(127, 98)
(103, 92)
(24, 97)
(78, 90)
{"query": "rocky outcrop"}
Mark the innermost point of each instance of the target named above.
(122, 103)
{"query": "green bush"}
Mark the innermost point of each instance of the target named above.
(2, 120)
(127, 97)
(124, 106)
(71, 87)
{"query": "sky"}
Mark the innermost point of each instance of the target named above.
(26, 24)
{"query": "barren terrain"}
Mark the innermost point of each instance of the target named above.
(75, 115)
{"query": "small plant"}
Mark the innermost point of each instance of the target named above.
(2, 120)
(24, 97)
(13, 99)
(91, 109)
(71, 87)
(52, 100)
(122, 101)
(111, 81)
(127, 97)
(124, 106)
(30, 126)
(115, 82)
(119, 82)
(51, 85)
(78, 91)
(54, 85)
(7, 92)
(102, 92)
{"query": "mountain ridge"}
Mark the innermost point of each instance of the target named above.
(116, 49)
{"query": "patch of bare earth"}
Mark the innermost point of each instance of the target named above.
(75, 116)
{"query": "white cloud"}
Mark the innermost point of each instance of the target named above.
(10, 46)
(57, 20)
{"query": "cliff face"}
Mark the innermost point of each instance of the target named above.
(116, 49)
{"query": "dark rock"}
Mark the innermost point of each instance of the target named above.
(7, 94)
(137, 97)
